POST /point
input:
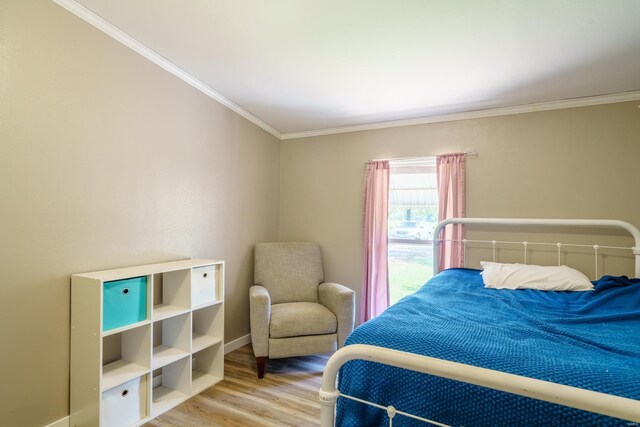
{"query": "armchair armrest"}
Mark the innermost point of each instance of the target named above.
(340, 300)
(260, 315)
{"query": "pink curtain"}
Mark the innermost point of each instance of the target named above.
(450, 171)
(375, 278)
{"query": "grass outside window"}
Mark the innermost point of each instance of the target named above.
(410, 266)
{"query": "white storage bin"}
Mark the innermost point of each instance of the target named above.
(124, 405)
(203, 285)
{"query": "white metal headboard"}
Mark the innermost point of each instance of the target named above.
(593, 223)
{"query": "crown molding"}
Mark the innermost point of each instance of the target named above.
(502, 111)
(138, 47)
(133, 44)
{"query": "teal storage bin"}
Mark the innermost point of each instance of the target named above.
(124, 302)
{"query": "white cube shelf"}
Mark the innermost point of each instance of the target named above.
(127, 375)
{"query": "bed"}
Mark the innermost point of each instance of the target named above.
(457, 353)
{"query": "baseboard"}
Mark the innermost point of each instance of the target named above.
(63, 422)
(237, 343)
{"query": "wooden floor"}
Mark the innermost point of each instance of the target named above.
(286, 396)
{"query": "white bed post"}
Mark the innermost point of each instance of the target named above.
(436, 251)
(437, 241)
(328, 400)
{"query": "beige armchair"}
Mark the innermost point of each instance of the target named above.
(293, 313)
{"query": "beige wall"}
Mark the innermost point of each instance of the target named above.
(106, 161)
(573, 163)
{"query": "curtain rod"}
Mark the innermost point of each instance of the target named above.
(468, 153)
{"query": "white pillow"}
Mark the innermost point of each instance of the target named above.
(521, 276)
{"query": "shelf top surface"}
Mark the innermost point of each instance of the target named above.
(164, 355)
(162, 312)
(120, 372)
(201, 342)
(125, 328)
(148, 269)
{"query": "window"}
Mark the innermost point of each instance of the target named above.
(413, 214)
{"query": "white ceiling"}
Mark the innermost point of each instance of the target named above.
(303, 65)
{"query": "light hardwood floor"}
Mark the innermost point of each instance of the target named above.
(286, 396)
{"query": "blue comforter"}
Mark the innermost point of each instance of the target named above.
(589, 340)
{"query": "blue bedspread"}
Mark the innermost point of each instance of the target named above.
(589, 340)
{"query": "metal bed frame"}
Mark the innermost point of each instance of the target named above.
(601, 403)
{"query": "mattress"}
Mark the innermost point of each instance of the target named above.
(589, 340)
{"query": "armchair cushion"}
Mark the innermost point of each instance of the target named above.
(290, 272)
(295, 319)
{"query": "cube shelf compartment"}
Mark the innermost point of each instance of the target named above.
(125, 404)
(174, 386)
(206, 282)
(171, 340)
(124, 302)
(125, 356)
(207, 323)
(171, 294)
(167, 347)
(207, 368)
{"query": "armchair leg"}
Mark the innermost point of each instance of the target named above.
(261, 361)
